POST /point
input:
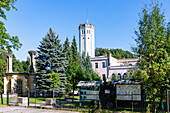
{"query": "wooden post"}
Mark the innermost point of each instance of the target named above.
(132, 102)
(80, 97)
(28, 96)
(7, 97)
(1, 98)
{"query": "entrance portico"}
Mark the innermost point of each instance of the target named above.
(16, 82)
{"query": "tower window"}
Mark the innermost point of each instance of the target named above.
(82, 32)
(87, 31)
(83, 37)
(88, 37)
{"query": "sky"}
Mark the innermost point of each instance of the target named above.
(115, 21)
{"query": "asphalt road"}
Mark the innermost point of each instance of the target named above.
(16, 109)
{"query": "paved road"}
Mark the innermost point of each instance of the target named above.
(15, 109)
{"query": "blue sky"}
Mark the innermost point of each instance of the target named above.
(114, 21)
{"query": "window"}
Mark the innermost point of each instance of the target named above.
(103, 64)
(119, 75)
(87, 31)
(96, 65)
(124, 75)
(82, 32)
(88, 37)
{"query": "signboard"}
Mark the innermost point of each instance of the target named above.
(92, 92)
(124, 92)
(89, 95)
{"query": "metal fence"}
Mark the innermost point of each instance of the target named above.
(111, 101)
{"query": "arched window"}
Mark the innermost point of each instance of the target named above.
(124, 75)
(119, 75)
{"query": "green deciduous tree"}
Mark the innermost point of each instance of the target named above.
(55, 81)
(50, 57)
(7, 42)
(153, 50)
(116, 53)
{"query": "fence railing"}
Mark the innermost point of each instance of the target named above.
(117, 102)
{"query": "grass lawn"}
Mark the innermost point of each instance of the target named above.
(4, 101)
(43, 99)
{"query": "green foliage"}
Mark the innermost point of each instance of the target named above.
(50, 57)
(7, 42)
(114, 76)
(55, 79)
(153, 50)
(116, 53)
(79, 68)
(2, 73)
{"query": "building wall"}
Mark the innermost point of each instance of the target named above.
(27, 81)
(100, 70)
(112, 66)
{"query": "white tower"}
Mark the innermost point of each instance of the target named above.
(86, 39)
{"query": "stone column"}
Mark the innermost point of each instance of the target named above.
(5, 85)
(12, 84)
(9, 63)
(32, 61)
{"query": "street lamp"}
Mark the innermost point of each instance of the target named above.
(35, 93)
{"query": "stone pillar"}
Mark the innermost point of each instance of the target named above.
(12, 85)
(32, 61)
(9, 63)
(5, 85)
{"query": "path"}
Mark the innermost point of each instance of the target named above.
(16, 109)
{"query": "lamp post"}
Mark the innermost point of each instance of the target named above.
(35, 93)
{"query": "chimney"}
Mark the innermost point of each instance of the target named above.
(32, 61)
(9, 63)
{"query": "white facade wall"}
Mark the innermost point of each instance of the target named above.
(113, 66)
(100, 70)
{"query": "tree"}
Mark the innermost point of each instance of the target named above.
(50, 57)
(74, 65)
(68, 53)
(88, 64)
(116, 53)
(7, 42)
(26, 65)
(2, 73)
(152, 49)
(55, 81)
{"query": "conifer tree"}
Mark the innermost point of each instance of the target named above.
(88, 64)
(50, 57)
(74, 65)
(152, 49)
(68, 53)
